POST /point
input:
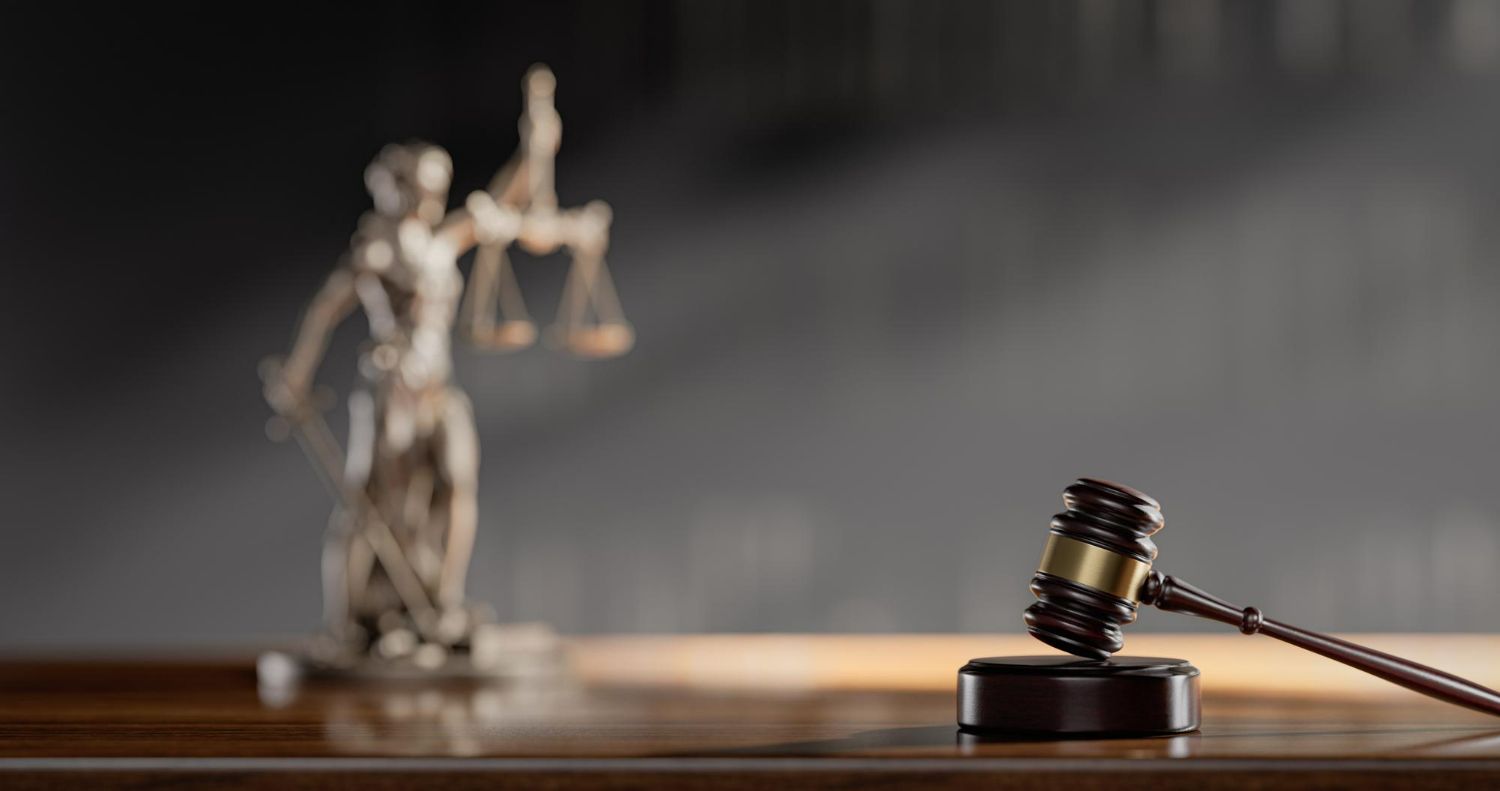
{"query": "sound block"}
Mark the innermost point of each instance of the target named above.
(1067, 696)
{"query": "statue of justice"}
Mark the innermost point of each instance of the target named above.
(399, 544)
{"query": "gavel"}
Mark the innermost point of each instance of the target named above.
(1097, 569)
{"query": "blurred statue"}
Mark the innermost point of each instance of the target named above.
(400, 541)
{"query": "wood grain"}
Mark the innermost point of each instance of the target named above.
(614, 725)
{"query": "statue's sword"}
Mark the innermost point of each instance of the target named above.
(325, 455)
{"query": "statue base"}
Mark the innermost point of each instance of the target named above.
(494, 652)
(1040, 696)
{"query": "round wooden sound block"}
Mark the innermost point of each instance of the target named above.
(1065, 695)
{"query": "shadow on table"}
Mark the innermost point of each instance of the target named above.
(940, 740)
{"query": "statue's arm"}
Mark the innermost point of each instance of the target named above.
(287, 390)
(525, 182)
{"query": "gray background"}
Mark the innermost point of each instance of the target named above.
(899, 273)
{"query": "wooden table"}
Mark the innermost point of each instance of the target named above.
(734, 712)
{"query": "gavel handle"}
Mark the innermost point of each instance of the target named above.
(1174, 595)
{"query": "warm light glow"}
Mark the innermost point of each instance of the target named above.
(1231, 664)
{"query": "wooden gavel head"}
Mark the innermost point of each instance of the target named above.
(1097, 560)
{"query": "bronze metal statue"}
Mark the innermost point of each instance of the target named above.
(399, 545)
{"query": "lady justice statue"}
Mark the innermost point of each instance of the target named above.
(400, 540)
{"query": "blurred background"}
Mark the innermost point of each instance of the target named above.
(899, 271)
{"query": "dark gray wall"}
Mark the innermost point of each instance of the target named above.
(899, 272)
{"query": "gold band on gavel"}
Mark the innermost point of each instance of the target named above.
(1096, 567)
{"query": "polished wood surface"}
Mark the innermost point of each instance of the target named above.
(734, 712)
